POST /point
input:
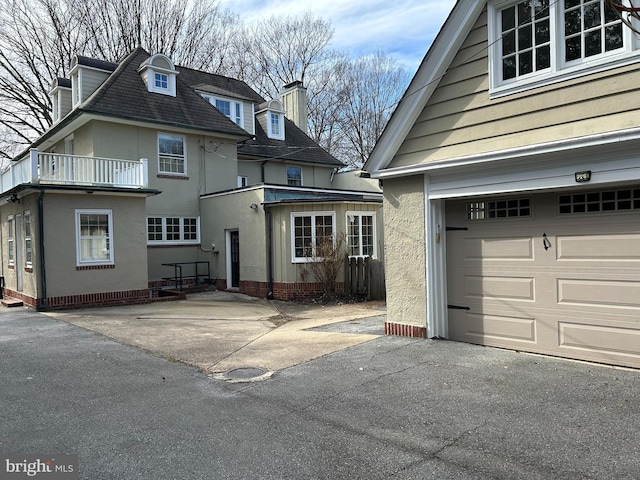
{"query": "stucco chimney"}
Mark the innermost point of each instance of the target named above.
(294, 100)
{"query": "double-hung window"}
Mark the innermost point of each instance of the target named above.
(294, 176)
(229, 108)
(171, 154)
(310, 233)
(28, 249)
(536, 42)
(275, 125)
(361, 234)
(94, 237)
(11, 244)
(173, 230)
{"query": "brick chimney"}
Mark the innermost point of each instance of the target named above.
(294, 100)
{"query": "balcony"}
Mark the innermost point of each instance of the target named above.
(74, 170)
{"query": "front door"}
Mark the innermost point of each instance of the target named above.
(235, 259)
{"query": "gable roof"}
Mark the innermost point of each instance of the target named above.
(433, 67)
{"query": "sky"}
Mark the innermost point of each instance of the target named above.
(403, 29)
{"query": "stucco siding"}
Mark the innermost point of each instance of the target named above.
(224, 213)
(404, 247)
(461, 119)
(129, 245)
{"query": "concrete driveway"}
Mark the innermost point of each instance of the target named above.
(226, 332)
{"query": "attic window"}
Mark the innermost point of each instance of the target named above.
(159, 73)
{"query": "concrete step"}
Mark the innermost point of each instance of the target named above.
(11, 302)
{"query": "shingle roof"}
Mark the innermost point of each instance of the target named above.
(296, 147)
(125, 95)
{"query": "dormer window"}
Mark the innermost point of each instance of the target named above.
(159, 73)
(271, 117)
(230, 108)
(275, 122)
(162, 81)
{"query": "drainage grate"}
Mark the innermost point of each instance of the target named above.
(245, 372)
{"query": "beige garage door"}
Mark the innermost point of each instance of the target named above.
(549, 273)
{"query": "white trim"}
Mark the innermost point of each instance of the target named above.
(109, 213)
(435, 265)
(368, 195)
(311, 214)
(280, 116)
(362, 213)
(608, 138)
(559, 70)
(184, 154)
(181, 241)
(11, 240)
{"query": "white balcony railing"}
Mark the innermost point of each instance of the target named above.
(61, 169)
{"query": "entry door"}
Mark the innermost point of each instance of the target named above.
(18, 247)
(235, 258)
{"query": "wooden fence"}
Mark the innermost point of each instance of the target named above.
(365, 276)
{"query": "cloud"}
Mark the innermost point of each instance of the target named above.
(403, 29)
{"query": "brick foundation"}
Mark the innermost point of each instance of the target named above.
(281, 290)
(415, 331)
(90, 300)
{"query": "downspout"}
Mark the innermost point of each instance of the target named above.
(269, 254)
(262, 169)
(43, 270)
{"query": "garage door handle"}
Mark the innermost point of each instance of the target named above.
(545, 242)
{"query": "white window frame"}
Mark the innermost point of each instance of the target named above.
(279, 134)
(313, 215)
(236, 108)
(243, 181)
(28, 243)
(76, 88)
(11, 243)
(559, 69)
(170, 89)
(164, 226)
(173, 157)
(288, 179)
(360, 214)
(80, 262)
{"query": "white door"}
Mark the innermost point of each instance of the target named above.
(549, 273)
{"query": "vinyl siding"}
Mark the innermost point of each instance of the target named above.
(460, 119)
(91, 80)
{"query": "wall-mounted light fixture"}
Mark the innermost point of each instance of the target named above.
(14, 198)
(253, 206)
(583, 176)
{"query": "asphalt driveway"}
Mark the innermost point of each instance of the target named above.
(387, 408)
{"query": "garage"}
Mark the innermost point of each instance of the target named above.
(552, 273)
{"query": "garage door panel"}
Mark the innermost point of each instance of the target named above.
(497, 329)
(600, 341)
(594, 248)
(511, 288)
(487, 249)
(599, 293)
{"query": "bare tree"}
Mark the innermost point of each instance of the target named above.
(370, 88)
(38, 39)
(349, 100)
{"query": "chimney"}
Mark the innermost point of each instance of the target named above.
(294, 100)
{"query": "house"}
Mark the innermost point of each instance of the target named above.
(155, 175)
(512, 183)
